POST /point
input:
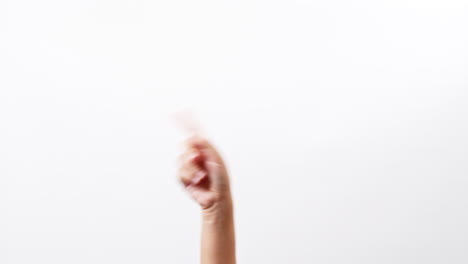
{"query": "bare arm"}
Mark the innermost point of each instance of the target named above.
(218, 238)
(206, 179)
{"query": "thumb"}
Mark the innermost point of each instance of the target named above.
(213, 167)
(217, 174)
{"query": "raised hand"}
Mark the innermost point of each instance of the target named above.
(203, 173)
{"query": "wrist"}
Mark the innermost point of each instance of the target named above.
(220, 209)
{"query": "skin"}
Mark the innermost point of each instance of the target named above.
(203, 173)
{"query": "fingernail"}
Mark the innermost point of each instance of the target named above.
(192, 157)
(199, 176)
(213, 163)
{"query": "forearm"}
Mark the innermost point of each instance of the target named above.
(218, 238)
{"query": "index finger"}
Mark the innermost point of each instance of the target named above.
(187, 123)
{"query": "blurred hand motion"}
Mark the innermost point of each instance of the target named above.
(203, 173)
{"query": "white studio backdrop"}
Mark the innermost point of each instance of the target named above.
(344, 124)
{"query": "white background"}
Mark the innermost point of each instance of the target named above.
(344, 124)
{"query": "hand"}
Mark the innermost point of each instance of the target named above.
(203, 173)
